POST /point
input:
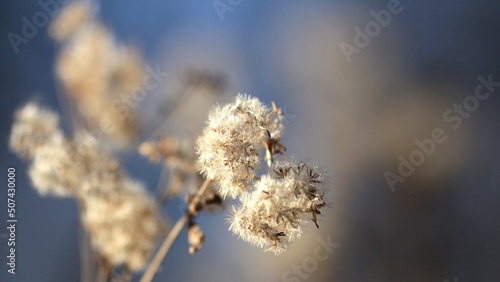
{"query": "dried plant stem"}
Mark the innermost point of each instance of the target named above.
(172, 235)
(126, 275)
(164, 248)
(104, 271)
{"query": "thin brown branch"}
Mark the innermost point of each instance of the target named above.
(173, 234)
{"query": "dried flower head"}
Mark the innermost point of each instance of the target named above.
(33, 127)
(71, 18)
(65, 167)
(99, 75)
(273, 215)
(196, 237)
(48, 170)
(229, 148)
(123, 222)
(124, 225)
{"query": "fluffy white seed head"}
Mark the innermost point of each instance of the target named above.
(123, 226)
(123, 222)
(98, 75)
(273, 215)
(33, 127)
(70, 19)
(229, 148)
(48, 172)
(65, 168)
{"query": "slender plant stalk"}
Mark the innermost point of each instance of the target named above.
(173, 234)
(103, 272)
(126, 275)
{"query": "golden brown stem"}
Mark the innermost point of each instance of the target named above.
(173, 234)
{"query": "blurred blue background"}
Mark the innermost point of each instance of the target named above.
(353, 118)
